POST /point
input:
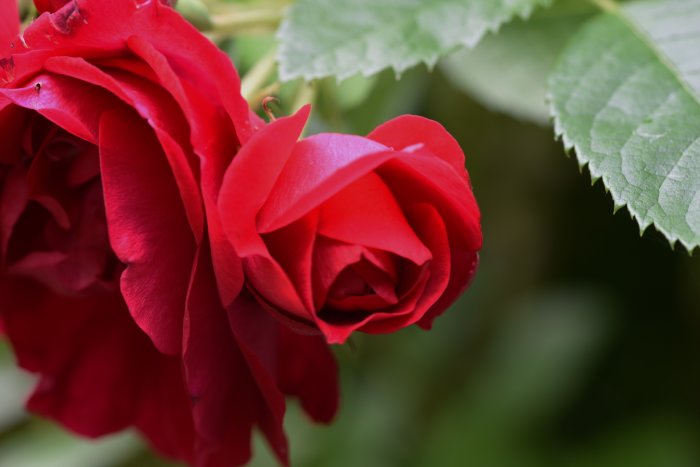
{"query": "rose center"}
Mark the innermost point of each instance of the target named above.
(362, 286)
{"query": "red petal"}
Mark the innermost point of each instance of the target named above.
(246, 185)
(13, 200)
(292, 247)
(252, 175)
(71, 262)
(213, 136)
(330, 258)
(270, 281)
(81, 28)
(418, 176)
(281, 359)
(366, 213)
(411, 130)
(227, 400)
(363, 274)
(432, 230)
(67, 102)
(319, 167)
(9, 25)
(412, 177)
(148, 229)
(165, 415)
(98, 372)
(307, 369)
(49, 5)
(162, 113)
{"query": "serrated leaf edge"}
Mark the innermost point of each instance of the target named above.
(430, 62)
(618, 12)
(597, 175)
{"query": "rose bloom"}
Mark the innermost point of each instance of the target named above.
(340, 233)
(113, 115)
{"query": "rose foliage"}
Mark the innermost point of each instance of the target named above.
(171, 263)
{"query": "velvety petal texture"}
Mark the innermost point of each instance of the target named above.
(119, 286)
(9, 24)
(340, 233)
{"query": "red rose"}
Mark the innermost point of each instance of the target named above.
(341, 233)
(113, 114)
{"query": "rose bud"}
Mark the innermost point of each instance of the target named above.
(341, 233)
(113, 115)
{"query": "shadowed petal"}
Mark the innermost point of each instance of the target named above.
(148, 229)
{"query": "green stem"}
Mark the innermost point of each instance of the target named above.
(255, 101)
(306, 94)
(246, 21)
(27, 12)
(606, 5)
(259, 75)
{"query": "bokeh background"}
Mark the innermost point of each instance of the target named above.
(577, 345)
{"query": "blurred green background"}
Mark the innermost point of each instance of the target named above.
(577, 345)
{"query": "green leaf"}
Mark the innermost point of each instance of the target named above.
(320, 38)
(507, 72)
(626, 96)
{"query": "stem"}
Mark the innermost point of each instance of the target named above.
(29, 13)
(259, 75)
(246, 21)
(333, 112)
(306, 94)
(255, 101)
(606, 5)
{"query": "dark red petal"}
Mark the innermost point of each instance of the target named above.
(163, 115)
(165, 415)
(410, 130)
(13, 200)
(214, 140)
(307, 369)
(69, 262)
(292, 247)
(227, 401)
(256, 332)
(319, 167)
(270, 281)
(50, 5)
(360, 276)
(67, 102)
(282, 360)
(98, 373)
(432, 230)
(337, 326)
(9, 25)
(330, 258)
(148, 229)
(13, 120)
(226, 262)
(366, 213)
